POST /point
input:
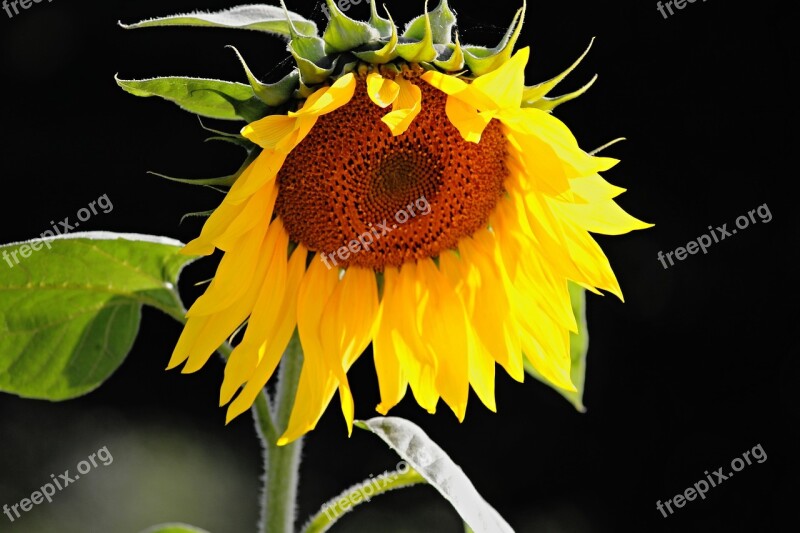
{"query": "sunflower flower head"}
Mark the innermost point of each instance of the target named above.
(413, 194)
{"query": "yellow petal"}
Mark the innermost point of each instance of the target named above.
(257, 211)
(405, 108)
(202, 335)
(505, 84)
(419, 364)
(234, 273)
(281, 132)
(347, 326)
(469, 122)
(594, 188)
(266, 310)
(444, 329)
(383, 92)
(556, 134)
(272, 339)
(541, 167)
(449, 85)
(318, 378)
(391, 379)
(271, 131)
(330, 98)
(604, 217)
(264, 169)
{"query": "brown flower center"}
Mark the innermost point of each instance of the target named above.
(365, 198)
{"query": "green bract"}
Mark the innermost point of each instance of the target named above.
(429, 39)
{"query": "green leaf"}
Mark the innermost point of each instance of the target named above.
(174, 528)
(259, 17)
(433, 464)
(210, 98)
(578, 347)
(70, 307)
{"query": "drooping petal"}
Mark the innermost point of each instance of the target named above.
(405, 108)
(320, 375)
(382, 91)
(274, 340)
(391, 378)
(235, 272)
(203, 334)
(266, 310)
(443, 328)
(347, 327)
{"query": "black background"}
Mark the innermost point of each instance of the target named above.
(697, 367)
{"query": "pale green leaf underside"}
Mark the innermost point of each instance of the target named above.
(433, 464)
(69, 312)
(578, 347)
(259, 17)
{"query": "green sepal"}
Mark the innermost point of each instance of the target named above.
(258, 17)
(482, 60)
(273, 94)
(223, 181)
(441, 22)
(313, 63)
(232, 138)
(455, 61)
(198, 214)
(220, 99)
(384, 26)
(344, 33)
(548, 104)
(384, 54)
(578, 347)
(420, 50)
(540, 90)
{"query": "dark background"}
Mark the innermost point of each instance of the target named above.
(697, 367)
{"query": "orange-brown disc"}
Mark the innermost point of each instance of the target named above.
(399, 198)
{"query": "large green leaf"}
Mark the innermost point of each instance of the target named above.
(70, 307)
(210, 98)
(174, 528)
(259, 17)
(578, 346)
(433, 464)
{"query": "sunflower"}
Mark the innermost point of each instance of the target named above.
(414, 195)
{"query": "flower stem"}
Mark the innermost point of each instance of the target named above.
(333, 509)
(281, 463)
